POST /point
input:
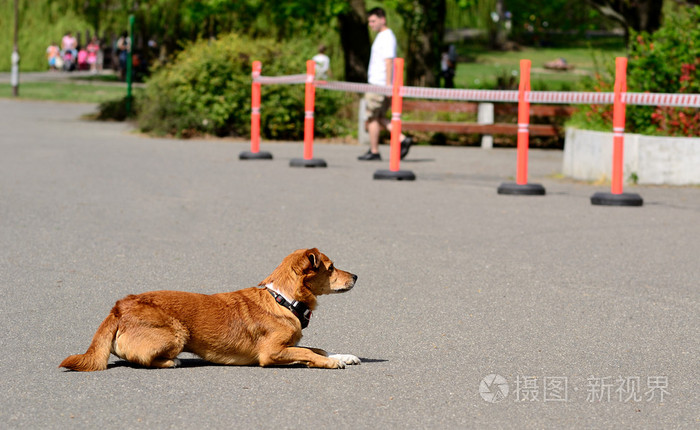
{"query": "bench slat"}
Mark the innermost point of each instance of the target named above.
(499, 108)
(466, 128)
(439, 106)
(535, 110)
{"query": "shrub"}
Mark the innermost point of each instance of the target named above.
(664, 62)
(206, 90)
(116, 110)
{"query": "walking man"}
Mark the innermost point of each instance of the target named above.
(380, 73)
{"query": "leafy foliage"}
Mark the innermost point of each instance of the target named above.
(665, 62)
(207, 89)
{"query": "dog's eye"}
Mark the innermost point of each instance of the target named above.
(331, 268)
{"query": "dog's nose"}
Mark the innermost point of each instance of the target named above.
(354, 278)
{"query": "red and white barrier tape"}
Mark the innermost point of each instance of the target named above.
(287, 79)
(354, 87)
(647, 99)
(569, 97)
(550, 97)
(458, 94)
(659, 99)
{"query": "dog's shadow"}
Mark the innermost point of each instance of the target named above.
(198, 362)
(184, 363)
(418, 160)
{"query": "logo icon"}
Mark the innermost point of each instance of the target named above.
(494, 388)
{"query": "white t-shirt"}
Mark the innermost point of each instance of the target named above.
(383, 47)
(322, 64)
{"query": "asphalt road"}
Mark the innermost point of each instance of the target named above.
(566, 301)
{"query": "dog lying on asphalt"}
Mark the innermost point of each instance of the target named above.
(251, 326)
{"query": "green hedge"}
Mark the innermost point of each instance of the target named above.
(206, 90)
(667, 61)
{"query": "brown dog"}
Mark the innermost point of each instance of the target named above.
(251, 326)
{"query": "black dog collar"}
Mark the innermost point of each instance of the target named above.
(300, 310)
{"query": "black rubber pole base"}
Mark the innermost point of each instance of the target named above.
(302, 162)
(610, 199)
(261, 155)
(399, 175)
(523, 190)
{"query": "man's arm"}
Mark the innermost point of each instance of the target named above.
(389, 65)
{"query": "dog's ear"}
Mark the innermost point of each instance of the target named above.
(314, 256)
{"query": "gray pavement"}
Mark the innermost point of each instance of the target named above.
(559, 297)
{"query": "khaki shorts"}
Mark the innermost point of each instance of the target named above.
(376, 106)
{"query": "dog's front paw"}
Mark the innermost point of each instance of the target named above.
(345, 359)
(336, 364)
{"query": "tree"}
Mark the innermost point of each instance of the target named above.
(639, 15)
(424, 22)
(354, 37)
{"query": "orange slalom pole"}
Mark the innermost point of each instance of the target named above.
(523, 122)
(521, 186)
(309, 110)
(395, 151)
(619, 124)
(255, 110)
(616, 197)
(396, 108)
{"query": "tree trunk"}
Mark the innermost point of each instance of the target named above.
(354, 36)
(425, 27)
(640, 15)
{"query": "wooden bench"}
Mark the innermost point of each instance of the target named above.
(481, 128)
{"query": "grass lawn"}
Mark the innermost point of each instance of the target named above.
(487, 66)
(66, 91)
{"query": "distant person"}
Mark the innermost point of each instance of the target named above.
(323, 63)
(53, 53)
(136, 66)
(444, 69)
(448, 65)
(452, 57)
(93, 49)
(100, 56)
(123, 49)
(69, 60)
(69, 43)
(380, 73)
(69, 51)
(82, 59)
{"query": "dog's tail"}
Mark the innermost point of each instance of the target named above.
(97, 355)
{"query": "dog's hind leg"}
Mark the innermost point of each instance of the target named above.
(149, 338)
(165, 363)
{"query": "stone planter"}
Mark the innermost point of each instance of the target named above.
(649, 159)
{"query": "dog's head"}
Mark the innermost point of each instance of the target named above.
(307, 273)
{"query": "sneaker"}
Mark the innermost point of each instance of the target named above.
(405, 146)
(370, 156)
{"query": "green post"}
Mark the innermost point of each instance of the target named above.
(128, 66)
